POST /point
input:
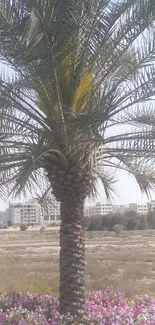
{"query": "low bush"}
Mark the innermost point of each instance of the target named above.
(108, 308)
(118, 228)
(95, 224)
(23, 227)
(151, 220)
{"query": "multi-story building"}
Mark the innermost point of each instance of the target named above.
(104, 209)
(28, 213)
(4, 217)
(100, 209)
(120, 209)
(51, 212)
(151, 205)
(139, 208)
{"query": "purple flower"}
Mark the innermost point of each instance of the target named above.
(110, 307)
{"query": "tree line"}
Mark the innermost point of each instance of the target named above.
(127, 221)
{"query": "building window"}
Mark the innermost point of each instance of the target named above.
(46, 217)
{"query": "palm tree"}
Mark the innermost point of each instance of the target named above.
(80, 69)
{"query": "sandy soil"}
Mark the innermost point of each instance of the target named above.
(29, 261)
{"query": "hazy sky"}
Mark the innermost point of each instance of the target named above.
(126, 187)
(127, 190)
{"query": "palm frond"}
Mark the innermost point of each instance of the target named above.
(81, 69)
(108, 180)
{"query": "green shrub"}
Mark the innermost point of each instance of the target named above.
(23, 227)
(143, 223)
(151, 219)
(95, 224)
(133, 223)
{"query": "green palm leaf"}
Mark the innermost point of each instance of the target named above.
(78, 107)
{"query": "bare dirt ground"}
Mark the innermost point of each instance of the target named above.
(29, 261)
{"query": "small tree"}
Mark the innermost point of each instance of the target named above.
(107, 222)
(133, 223)
(118, 228)
(143, 223)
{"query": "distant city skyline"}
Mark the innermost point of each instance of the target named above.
(126, 188)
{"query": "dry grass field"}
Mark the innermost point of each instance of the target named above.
(29, 261)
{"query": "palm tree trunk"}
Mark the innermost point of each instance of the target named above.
(72, 258)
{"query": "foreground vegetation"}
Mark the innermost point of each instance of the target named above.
(108, 308)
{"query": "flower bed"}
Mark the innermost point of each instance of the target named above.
(107, 308)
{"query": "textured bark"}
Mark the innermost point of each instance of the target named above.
(72, 258)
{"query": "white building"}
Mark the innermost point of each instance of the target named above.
(100, 209)
(4, 217)
(120, 209)
(51, 212)
(151, 205)
(28, 213)
(140, 208)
